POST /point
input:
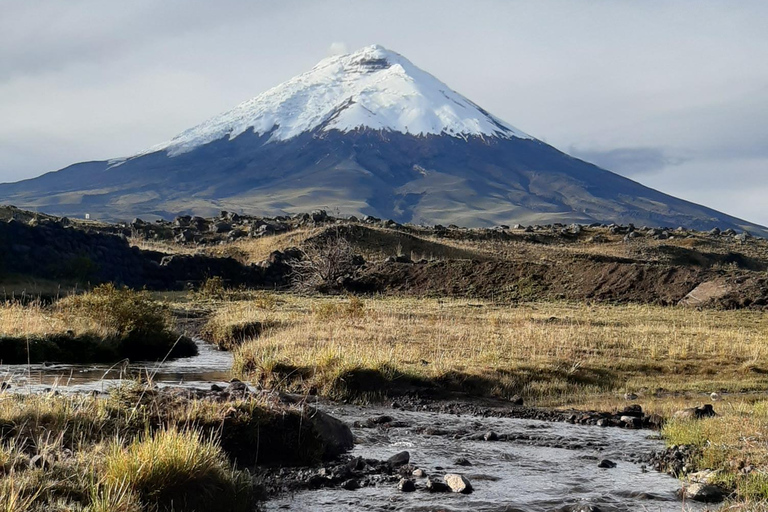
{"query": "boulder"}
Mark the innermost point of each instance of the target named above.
(336, 436)
(350, 484)
(705, 493)
(399, 459)
(406, 485)
(458, 483)
(435, 485)
(704, 411)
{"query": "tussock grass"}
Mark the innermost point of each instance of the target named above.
(104, 325)
(549, 353)
(140, 450)
(175, 469)
(233, 323)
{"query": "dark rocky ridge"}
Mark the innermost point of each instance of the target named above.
(89, 253)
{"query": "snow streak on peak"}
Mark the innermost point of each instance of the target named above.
(373, 88)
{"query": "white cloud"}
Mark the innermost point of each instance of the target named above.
(337, 48)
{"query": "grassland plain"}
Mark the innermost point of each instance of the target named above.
(552, 354)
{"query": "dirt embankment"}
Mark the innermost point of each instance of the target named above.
(529, 280)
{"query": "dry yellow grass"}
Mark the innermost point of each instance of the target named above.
(254, 250)
(35, 320)
(125, 453)
(552, 353)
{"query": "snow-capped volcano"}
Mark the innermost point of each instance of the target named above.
(373, 88)
(366, 133)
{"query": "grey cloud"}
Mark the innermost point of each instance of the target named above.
(628, 161)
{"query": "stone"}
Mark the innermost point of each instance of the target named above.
(631, 421)
(606, 464)
(379, 420)
(336, 436)
(406, 485)
(702, 492)
(704, 411)
(491, 436)
(462, 461)
(630, 396)
(516, 400)
(350, 484)
(435, 485)
(584, 507)
(399, 459)
(458, 483)
(632, 410)
(221, 227)
(419, 473)
(236, 386)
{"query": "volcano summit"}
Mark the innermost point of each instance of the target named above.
(363, 133)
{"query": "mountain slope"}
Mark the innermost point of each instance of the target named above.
(365, 133)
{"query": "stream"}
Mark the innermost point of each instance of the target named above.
(541, 467)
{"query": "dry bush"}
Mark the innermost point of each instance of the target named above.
(324, 264)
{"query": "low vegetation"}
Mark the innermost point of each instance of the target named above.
(106, 324)
(550, 353)
(142, 450)
(733, 444)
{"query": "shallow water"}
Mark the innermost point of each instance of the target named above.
(548, 467)
(553, 465)
(200, 371)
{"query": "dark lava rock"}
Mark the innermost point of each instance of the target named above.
(379, 420)
(462, 461)
(491, 436)
(399, 459)
(336, 436)
(435, 485)
(606, 464)
(406, 485)
(632, 410)
(350, 484)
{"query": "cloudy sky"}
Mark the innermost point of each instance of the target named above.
(673, 94)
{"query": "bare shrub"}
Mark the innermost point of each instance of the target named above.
(324, 264)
